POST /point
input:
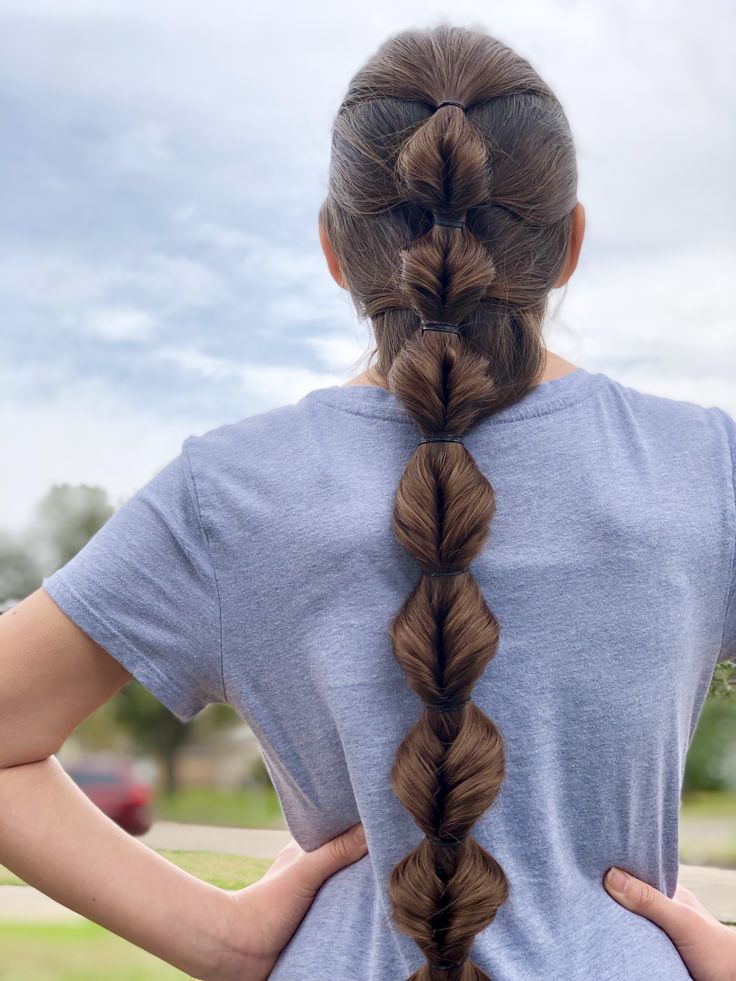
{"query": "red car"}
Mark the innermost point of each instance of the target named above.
(117, 789)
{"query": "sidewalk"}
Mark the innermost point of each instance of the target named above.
(716, 888)
(202, 837)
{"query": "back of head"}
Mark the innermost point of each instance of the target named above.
(451, 224)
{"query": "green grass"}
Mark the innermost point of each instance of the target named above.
(75, 952)
(715, 804)
(88, 952)
(225, 871)
(219, 869)
(708, 829)
(253, 808)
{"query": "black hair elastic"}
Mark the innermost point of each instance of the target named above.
(447, 967)
(450, 102)
(452, 572)
(446, 842)
(447, 707)
(441, 438)
(440, 325)
(452, 222)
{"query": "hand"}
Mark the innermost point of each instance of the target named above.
(707, 947)
(268, 912)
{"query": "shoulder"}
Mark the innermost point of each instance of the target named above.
(661, 407)
(275, 429)
(252, 461)
(683, 420)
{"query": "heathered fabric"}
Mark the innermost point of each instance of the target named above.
(259, 568)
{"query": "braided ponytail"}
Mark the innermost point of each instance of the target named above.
(451, 225)
(449, 767)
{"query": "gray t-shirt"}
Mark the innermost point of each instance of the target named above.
(259, 568)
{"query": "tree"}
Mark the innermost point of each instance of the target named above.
(155, 730)
(152, 727)
(723, 683)
(19, 573)
(66, 518)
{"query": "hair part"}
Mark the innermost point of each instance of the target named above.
(506, 164)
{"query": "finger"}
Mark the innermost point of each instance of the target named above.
(334, 855)
(675, 919)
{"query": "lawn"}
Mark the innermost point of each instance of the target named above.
(84, 952)
(225, 871)
(708, 829)
(710, 804)
(228, 808)
(88, 952)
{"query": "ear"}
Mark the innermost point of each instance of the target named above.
(332, 264)
(577, 233)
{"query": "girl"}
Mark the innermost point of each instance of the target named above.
(471, 600)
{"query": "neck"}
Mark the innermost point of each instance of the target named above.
(555, 367)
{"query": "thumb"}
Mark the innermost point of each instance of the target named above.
(335, 855)
(641, 898)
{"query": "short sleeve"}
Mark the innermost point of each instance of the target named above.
(145, 589)
(728, 646)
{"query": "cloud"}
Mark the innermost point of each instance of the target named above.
(666, 321)
(139, 149)
(338, 351)
(162, 170)
(271, 385)
(116, 323)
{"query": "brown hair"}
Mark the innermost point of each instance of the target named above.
(505, 161)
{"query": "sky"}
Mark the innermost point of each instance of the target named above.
(162, 165)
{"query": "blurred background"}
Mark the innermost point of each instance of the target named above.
(162, 166)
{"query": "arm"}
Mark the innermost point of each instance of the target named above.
(52, 676)
(57, 840)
